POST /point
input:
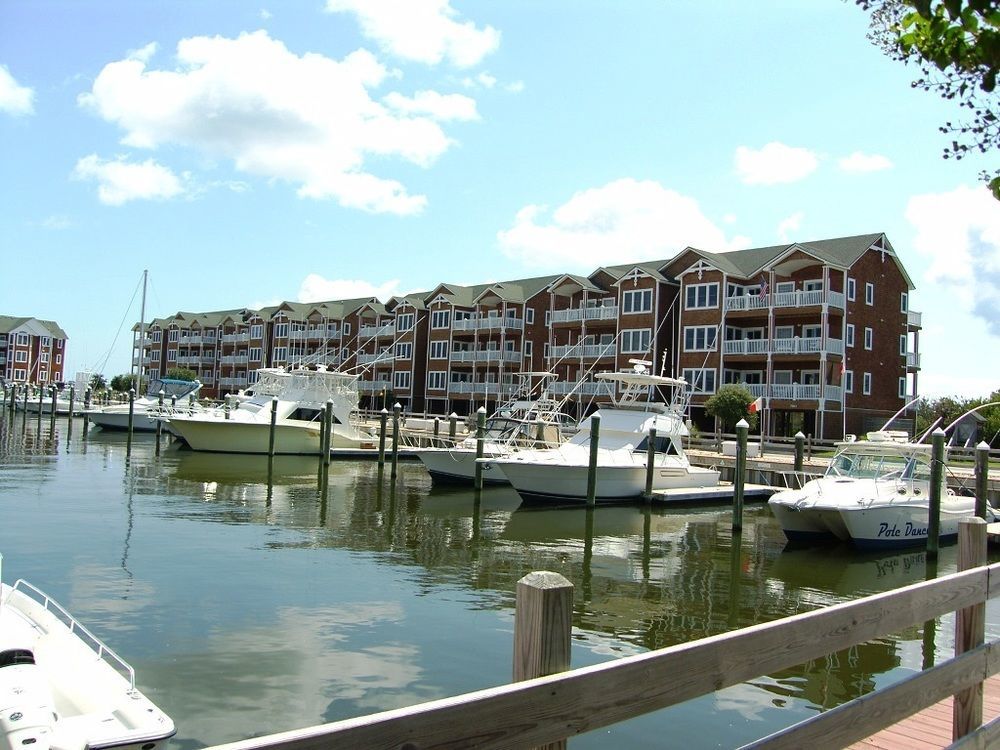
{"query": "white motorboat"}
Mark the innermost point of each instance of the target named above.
(526, 421)
(559, 475)
(875, 494)
(146, 408)
(301, 397)
(61, 687)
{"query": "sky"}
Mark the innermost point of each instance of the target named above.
(246, 152)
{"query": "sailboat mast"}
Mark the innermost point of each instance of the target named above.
(142, 332)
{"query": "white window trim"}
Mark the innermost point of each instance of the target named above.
(848, 381)
(869, 338)
(707, 347)
(692, 375)
(850, 335)
(637, 294)
(869, 293)
(852, 289)
(904, 302)
(902, 387)
(866, 384)
(708, 286)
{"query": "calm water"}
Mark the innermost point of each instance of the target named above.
(247, 608)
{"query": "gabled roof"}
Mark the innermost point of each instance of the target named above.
(617, 272)
(583, 282)
(10, 323)
(519, 290)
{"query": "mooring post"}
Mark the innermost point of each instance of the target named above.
(52, 415)
(650, 462)
(131, 418)
(328, 419)
(383, 418)
(937, 485)
(272, 428)
(72, 406)
(809, 447)
(595, 439)
(453, 427)
(800, 449)
(437, 432)
(480, 439)
(543, 623)
(396, 409)
(982, 478)
(159, 418)
(970, 627)
(87, 396)
(742, 429)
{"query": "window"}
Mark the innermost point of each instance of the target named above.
(59, 343)
(20, 356)
(171, 355)
(281, 330)
(852, 290)
(700, 338)
(781, 377)
(902, 345)
(404, 350)
(440, 318)
(401, 379)
(436, 381)
(46, 341)
(700, 380)
(257, 331)
(816, 285)
(157, 337)
(784, 332)
(172, 335)
(904, 302)
(155, 355)
(439, 349)
(19, 374)
(866, 384)
(701, 295)
(635, 340)
(812, 332)
(868, 338)
(58, 359)
(848, 381)
(869, 293)
(850, 334)
(280, 352)
(638, 301)
(528, 348)
(43, 376)
(22, 339)
(902, 387)
(255, 354)
(529, 315)
(404, 322)
(548, 314)
(44, 357)
(784, 287)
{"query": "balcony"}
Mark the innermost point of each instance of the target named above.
(189, 340)
(374, 386)
(489, 323)
(914, 319)
(794, 391)
(912, 361)
(191, 360)
(582, 351)
(579, 314)
(372, 331)
(369, 359)
(486, 356)
(785, 299)
(237, 382)
(478, 388)
(587, 388)
(235, 338)
(795, 345)
(234, 359)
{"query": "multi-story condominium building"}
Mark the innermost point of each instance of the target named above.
(32, 350)
(820, 331)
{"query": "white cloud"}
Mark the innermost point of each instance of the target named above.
(15, 99)
(308, 120)
(515, 88)
(426, 31)
(315, 288)
(622, 221)
(959, 232)
(789, 225)
(265, 14)
(861, 162)
(438, 106)
(57, 221)
(484, 80)
(120, 181)
(144, 54)
(774, 163)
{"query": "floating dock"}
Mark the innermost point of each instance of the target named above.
(721, 493)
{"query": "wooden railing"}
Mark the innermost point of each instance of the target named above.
(550, 708)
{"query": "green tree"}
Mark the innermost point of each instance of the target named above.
(730, 404)
(122, 383)
(956, 44)
(182, 373)
(98, 383)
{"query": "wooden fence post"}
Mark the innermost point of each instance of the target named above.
(934, 500)
(970, 627)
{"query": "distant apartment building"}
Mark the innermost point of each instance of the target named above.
(32, 350)
(820, 331)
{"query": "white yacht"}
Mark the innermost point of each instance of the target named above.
(528, 420)
(146, 408)
(559, 475)
(301, 400)
(61, 687)
(875, 494)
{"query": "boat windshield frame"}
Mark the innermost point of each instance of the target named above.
(886, 462)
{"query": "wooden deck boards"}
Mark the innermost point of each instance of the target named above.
(930, 728)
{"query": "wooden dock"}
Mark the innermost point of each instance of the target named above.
(930, 728)
(723, 492)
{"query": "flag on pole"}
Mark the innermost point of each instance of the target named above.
(757, 405)
(763, 286)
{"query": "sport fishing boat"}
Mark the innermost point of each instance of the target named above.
(145, 408)
(559, 475)
(301, 396)
(527, 420)
(61, 687)
(875, 494)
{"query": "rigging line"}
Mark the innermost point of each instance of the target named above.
(107, 356)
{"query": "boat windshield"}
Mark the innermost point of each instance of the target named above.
(170, 387)
(862, 465)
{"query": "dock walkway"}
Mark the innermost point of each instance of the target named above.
(930, 728)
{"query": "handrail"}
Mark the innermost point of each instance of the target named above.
(102, 650)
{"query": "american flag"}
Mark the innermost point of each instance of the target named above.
(763, 286)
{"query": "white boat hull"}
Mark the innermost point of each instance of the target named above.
(118, 420)
(458, 466)
(291, 437)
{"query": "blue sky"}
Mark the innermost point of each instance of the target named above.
(251, 152)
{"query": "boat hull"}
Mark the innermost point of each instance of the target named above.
(117, 420)
(899, 526)
(228, 436)
(458, 467)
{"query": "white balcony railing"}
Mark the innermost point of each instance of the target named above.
(489, 323)
(785, 299)
(485, 355)
(914, 319)
(476, 387)
(237, 382)
(373, 386)
(574, 314)
(234, 359)
(794, 391)
(795, 345)
(371, 331)
(368, 359)
(582, 351)
(235, 338)
(913, 360)
(593, 388)
(189, 340)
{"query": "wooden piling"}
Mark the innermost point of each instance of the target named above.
(437, 432)
(970, 627)
(383, 418)
(328, 429)
(937, 481)
(396, 409)
(650, 462)
(52, 415)
(453, 427)
(87, 396)
(72, 406)
(800, 449)
(982, 478)
(159, 418)
(742, 430)
(480, 439)
(273, 427)
(595, 439)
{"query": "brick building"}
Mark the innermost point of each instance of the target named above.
(32, 350)
(821, 331)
